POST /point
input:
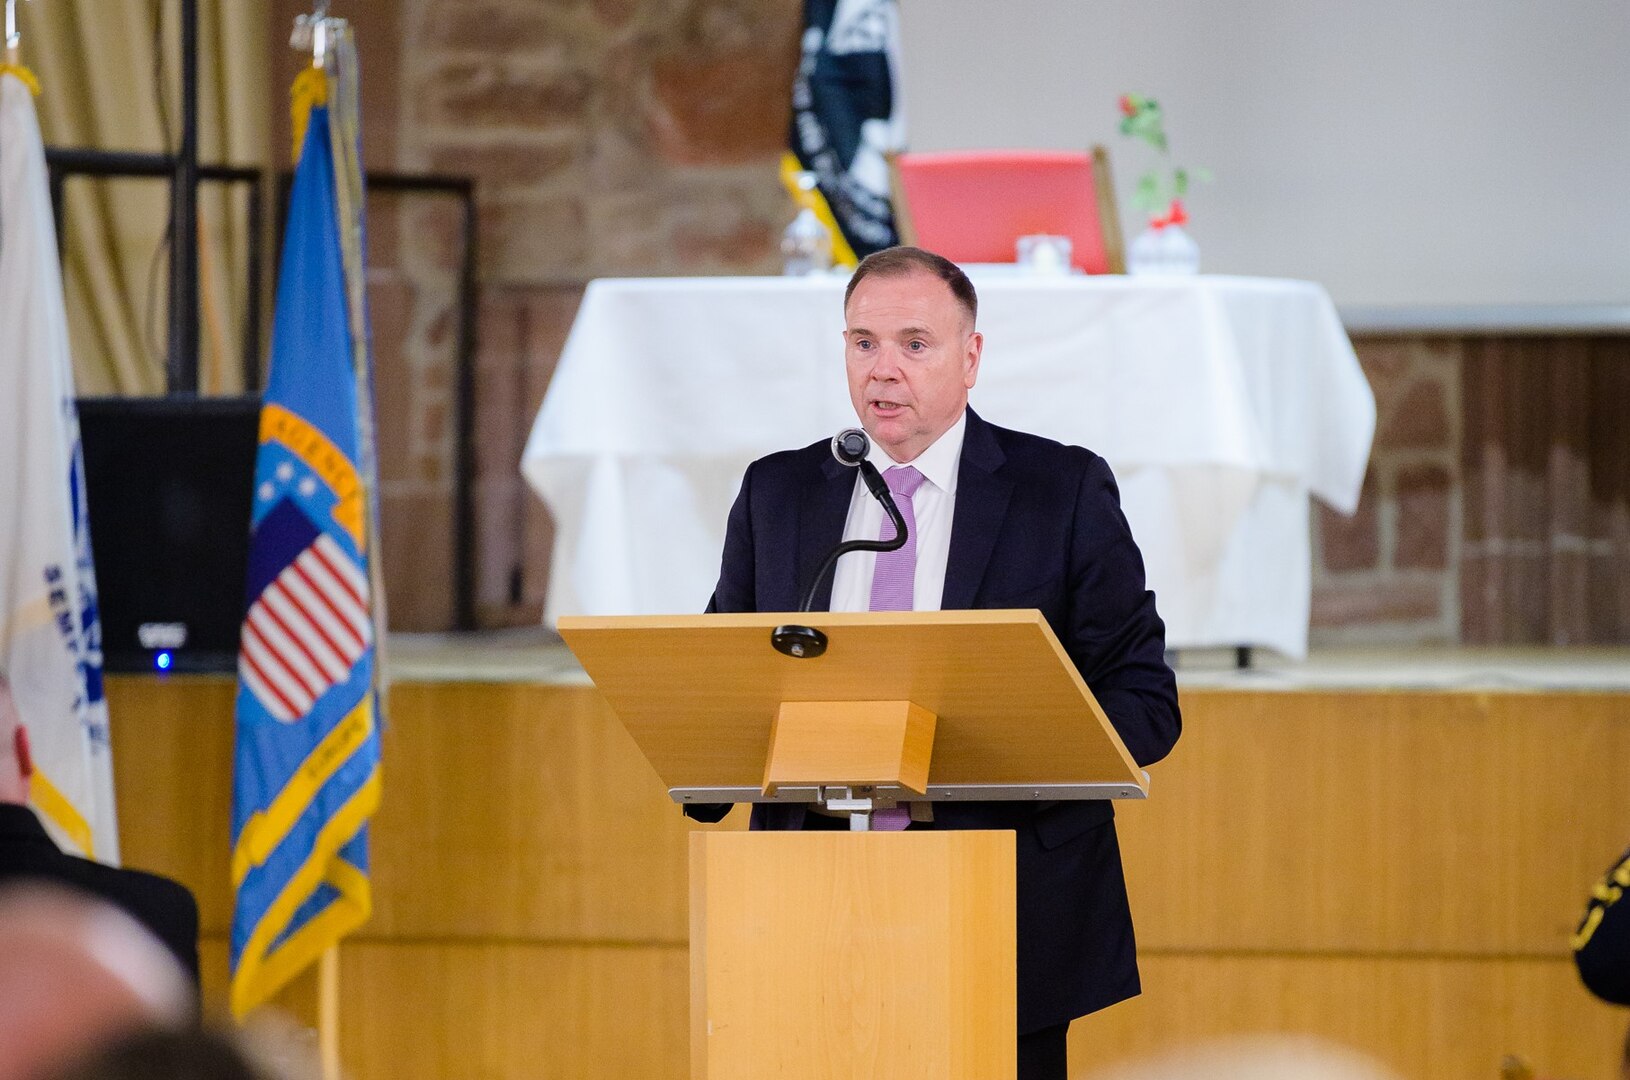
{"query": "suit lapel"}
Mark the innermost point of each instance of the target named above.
(821, 517)
(981, 504)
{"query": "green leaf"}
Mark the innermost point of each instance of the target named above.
(1147, 194)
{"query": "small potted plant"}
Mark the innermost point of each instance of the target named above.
(1164, 247)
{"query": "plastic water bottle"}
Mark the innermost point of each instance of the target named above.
(805, 246)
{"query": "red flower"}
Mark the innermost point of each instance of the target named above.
(1127, 108)
(1176, 215)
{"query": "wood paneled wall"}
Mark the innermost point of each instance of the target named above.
(1398, 872)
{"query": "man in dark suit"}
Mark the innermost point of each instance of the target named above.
(27, 852)
(1002, 520)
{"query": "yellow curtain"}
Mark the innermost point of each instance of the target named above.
(110, 74)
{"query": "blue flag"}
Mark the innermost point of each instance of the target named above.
(307, 764)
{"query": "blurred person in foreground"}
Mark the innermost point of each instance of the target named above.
(995, 519)
(76, 971)
(193, 1053)
(27, 852)
(1601, 946)
(1265, 1056)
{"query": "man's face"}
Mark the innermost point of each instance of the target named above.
(912, 355)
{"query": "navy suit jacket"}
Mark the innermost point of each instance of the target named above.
(1037, 525)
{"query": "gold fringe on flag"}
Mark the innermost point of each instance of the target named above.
(309, 91)
(345, 116)
(24, 76)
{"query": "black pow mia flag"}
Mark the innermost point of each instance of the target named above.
(847, 115)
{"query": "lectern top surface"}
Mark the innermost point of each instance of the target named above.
(699, 692)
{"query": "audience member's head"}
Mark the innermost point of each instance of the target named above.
(1252, 1057)
(16, 763)
(170, 1054)
(77, 971)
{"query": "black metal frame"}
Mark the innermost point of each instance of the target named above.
(183, 352)
(62, 163)
(469, 284)
(185, 174)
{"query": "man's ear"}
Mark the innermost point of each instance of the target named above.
(970, 362)
(25, 755)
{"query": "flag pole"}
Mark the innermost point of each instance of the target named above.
(14, 38)
(310, 32)
(328, 1011)
(351, 190)
(328, 964)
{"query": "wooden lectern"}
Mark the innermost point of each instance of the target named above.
(826, 954)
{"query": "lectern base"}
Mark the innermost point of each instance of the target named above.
(831, 955)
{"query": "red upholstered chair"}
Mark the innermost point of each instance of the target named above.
(972, 205)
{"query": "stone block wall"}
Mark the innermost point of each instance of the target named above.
(1389, 573)
(606, 137)
(522, 331)
(609, 137)
(1496, 509)
(1546, 461)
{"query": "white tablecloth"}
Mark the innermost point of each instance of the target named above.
(1221, 403)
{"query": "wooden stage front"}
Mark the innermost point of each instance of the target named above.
(1391, 858)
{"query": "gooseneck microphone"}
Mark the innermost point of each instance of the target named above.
(850, 446)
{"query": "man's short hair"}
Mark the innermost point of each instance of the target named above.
(900, 261)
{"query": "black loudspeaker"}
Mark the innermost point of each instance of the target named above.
(169, 484)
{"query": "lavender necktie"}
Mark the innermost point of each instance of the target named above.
(894, 588)
(894, 581)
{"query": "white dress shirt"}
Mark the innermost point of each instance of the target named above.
(933, 506)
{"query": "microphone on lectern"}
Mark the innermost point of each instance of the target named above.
(850, 446)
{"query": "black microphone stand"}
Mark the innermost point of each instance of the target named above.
(806, 642)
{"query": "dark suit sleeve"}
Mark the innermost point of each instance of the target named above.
(186, 940)
(734, 592)
(1115, 637)
(1602, 944)
(167, 907)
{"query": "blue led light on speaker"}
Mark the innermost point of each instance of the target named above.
(163, 661)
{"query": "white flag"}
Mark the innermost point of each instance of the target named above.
(50, 638)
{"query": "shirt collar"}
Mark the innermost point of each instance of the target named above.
(940, 463)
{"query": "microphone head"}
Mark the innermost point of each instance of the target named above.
(850, 446)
